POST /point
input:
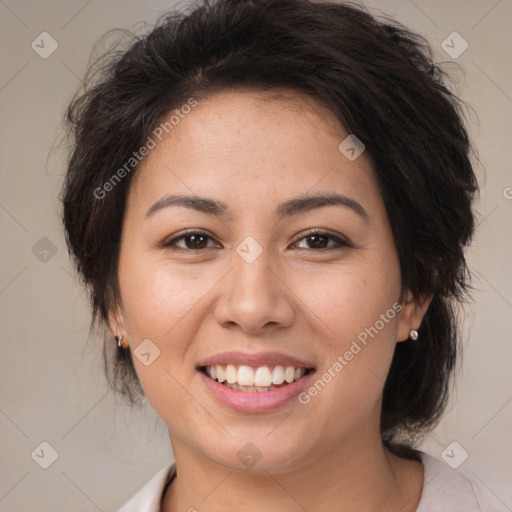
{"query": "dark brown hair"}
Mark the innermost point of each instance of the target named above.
(377, 78)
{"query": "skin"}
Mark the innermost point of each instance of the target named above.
(252, 152)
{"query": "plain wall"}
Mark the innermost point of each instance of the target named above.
(51, 380)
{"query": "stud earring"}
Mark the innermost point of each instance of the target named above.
(413, 334)
(121, 343)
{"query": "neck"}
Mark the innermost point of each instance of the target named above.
(360, 477)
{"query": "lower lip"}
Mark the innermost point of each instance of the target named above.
(255, 401)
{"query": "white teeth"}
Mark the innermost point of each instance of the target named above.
(289, 374)
(262, 377)
(249, 388)
(231, 374)
(278, 375)
(221, 375)
(247, 378)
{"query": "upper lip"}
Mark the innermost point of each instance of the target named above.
(262, 359)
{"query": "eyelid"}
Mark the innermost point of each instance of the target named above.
(170, 241)
(339, 240)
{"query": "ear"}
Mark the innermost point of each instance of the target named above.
(116, 322)
(411, 315)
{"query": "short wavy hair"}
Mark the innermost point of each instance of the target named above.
(381, 83)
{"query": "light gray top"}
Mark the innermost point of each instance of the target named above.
(444, 490)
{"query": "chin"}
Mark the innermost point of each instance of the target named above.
(258, 452)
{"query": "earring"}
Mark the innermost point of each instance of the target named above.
(413, 334)
(121, 343)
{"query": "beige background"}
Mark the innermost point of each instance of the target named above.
(51, 381)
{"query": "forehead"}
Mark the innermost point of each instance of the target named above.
(245, 144)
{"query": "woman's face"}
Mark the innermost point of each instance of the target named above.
(251, 287)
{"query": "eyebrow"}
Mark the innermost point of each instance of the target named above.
(288, 208)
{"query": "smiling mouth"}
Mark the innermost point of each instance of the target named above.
(249, 378)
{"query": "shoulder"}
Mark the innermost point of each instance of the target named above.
(444, 490)
(447, 490)
(149, 497)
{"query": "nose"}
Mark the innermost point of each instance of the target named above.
(254, 297)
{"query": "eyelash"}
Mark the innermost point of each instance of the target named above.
(340, 243)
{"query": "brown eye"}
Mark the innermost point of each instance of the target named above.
(315, 240)
(193, 241)
(319, 240)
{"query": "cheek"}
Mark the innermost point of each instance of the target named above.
(357, 312)
(347, 300)
(161, 304)
(158, 297)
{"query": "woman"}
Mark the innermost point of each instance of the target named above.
(269, 203)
